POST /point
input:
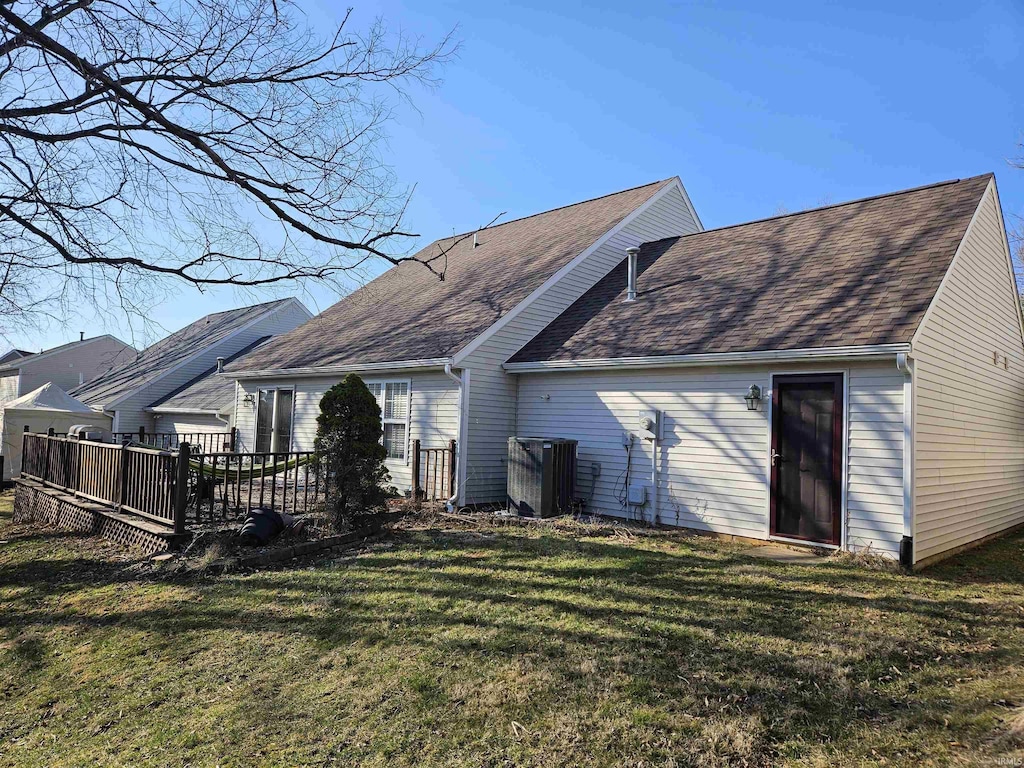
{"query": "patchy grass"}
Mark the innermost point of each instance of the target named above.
(509, 647)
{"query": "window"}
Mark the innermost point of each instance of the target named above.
(393, 399)
(274, 421)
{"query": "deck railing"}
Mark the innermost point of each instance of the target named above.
(99, 469)
(61, 464)
(227, 484)
(208, 442)
(175, 487)
(148, 483)
(139, 480)
(194, 486)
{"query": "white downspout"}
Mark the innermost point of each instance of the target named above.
(905, 365)
(460, 449)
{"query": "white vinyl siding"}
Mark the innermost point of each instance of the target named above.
(132, 413)
(187, 423)
(874, 496)
(492, 392)
(969, 411)
(713, 458)
(433, 407)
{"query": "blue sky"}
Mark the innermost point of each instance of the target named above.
(757, 107)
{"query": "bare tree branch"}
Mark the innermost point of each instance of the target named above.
(203, 142)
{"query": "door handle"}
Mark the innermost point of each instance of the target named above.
(776, 457)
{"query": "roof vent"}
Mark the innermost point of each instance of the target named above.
(81, 335)
(220, 365)
(631, 254)
(475, 243)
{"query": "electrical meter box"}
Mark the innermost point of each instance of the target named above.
(649, 424)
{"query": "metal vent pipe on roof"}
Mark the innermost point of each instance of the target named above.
(631, 254)
(220, 365)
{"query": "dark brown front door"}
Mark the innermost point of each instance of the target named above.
(807, 450)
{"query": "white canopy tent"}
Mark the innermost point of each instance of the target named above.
(39, 410)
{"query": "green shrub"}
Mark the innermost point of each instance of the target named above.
(349, 450)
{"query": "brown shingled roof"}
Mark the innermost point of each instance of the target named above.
(408, 314)
(158, 359)
(859, 273)
(207, 391)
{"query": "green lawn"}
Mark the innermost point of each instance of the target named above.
(508, 647)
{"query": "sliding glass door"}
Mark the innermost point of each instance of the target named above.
(274, 420)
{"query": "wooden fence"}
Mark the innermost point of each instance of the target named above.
(208, 442)
(433, 471)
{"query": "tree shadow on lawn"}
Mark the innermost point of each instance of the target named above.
(692, 629)
(1000, 562)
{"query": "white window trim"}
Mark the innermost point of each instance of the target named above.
(273, 420)
(408, 415)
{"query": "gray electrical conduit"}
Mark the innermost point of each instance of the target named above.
(654, 476)
(629, 462)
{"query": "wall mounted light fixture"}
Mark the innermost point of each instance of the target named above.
(753, 397)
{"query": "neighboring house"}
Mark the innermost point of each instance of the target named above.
(884, 336)
(128, 391)
(203, 404)
(13, 355)
(66, 366)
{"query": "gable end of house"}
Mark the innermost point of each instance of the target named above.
(492, 396)
(967, 475)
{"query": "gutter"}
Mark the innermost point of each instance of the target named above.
(905, 364)
(194, 411)
(327, 370)
(460, 447)
(875, 351)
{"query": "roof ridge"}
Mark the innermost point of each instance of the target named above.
(820, 208)
(34, 356)
(207, 372)
(243, 309)
(552, 210)
(198, 338)
(200, 319)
